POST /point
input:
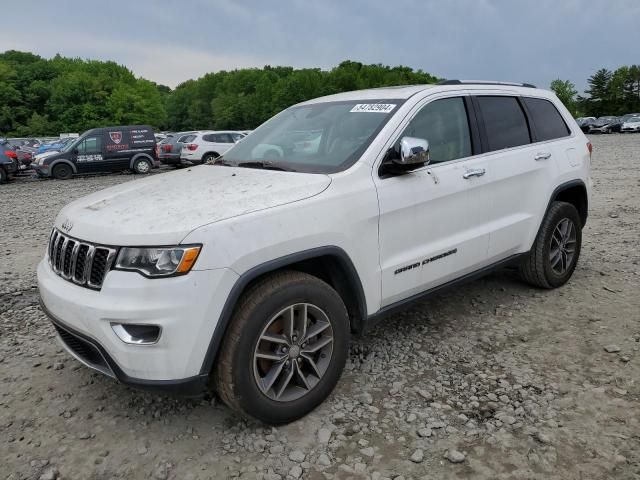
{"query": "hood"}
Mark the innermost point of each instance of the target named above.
(46, 154)
(164, 208)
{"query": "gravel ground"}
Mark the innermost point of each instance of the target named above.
(491, 380)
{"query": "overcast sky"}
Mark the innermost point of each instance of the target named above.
(169, 41)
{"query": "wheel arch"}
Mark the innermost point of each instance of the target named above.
(331, 264)
(137, 156)
(53, 164)
(575, 193)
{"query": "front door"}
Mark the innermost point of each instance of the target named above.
(88, 155)
(428, 230)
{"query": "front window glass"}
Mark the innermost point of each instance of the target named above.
(444, 124)
(89, 145)
(318, 138)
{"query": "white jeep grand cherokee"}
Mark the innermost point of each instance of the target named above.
(249, 275)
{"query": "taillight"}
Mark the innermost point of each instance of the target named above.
(192, 146)
(11, 154)
(590, 148)
(166, 148)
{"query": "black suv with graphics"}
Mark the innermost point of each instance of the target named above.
(105, 149)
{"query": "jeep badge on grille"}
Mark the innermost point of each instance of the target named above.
(67, 226)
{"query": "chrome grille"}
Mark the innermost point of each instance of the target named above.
(83, 263)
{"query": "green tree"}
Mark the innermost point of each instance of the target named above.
(598, 92)
(566, 92)
(137, 103)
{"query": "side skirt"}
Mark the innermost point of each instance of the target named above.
(396, 307)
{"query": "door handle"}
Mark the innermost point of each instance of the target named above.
(478, 172)
(542, 156)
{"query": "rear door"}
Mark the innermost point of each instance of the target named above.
(516, 174)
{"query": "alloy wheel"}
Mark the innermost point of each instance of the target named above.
(293, 352)
(563, 246)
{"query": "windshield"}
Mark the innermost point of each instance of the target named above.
(69, 143)
(634, 120)
(318, 138)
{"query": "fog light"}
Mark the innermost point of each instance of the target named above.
(137, 334)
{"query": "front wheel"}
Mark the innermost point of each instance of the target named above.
(555, 252)
(62, 171)
(285, 349)
(141, 166)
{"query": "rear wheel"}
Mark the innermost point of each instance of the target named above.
(555, 252)
(3, 175)
(209, 157)
(285, 348)
(141, 166)
(62, 171)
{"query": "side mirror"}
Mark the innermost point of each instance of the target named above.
(413, 152)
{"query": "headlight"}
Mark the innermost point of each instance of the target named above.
(158, 262)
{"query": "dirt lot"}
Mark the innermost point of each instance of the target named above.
(492, 380)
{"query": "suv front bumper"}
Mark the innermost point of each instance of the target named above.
(186, 308)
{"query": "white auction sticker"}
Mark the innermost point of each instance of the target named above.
(373, 107)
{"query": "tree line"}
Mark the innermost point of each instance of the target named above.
(48, 96)
(609, 93)
(41, 96)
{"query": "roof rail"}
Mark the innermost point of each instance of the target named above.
(484, 82)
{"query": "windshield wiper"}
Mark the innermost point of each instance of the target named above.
(264, 166)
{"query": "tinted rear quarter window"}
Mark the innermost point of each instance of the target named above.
(504, 121)
(546, 118)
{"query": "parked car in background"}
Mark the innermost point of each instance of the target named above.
(602, 125)
(107, 149)
(209, 145)
(170, 149)
(8, 161)
(631, 125)
(585, 123)
(56, 145)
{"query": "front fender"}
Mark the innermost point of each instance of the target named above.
(63, 160)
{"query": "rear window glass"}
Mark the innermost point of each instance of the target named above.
(187, 139)
(504, 121)
(548, 121)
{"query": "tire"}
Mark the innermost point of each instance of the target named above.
(241, 378)
(62, 171)
(209, 156)
(3, 175)
(543, 268)
(142, 166)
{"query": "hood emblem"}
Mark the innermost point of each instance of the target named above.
(116, 137)
(67, 226)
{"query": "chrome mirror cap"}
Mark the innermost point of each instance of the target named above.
(413, 151)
